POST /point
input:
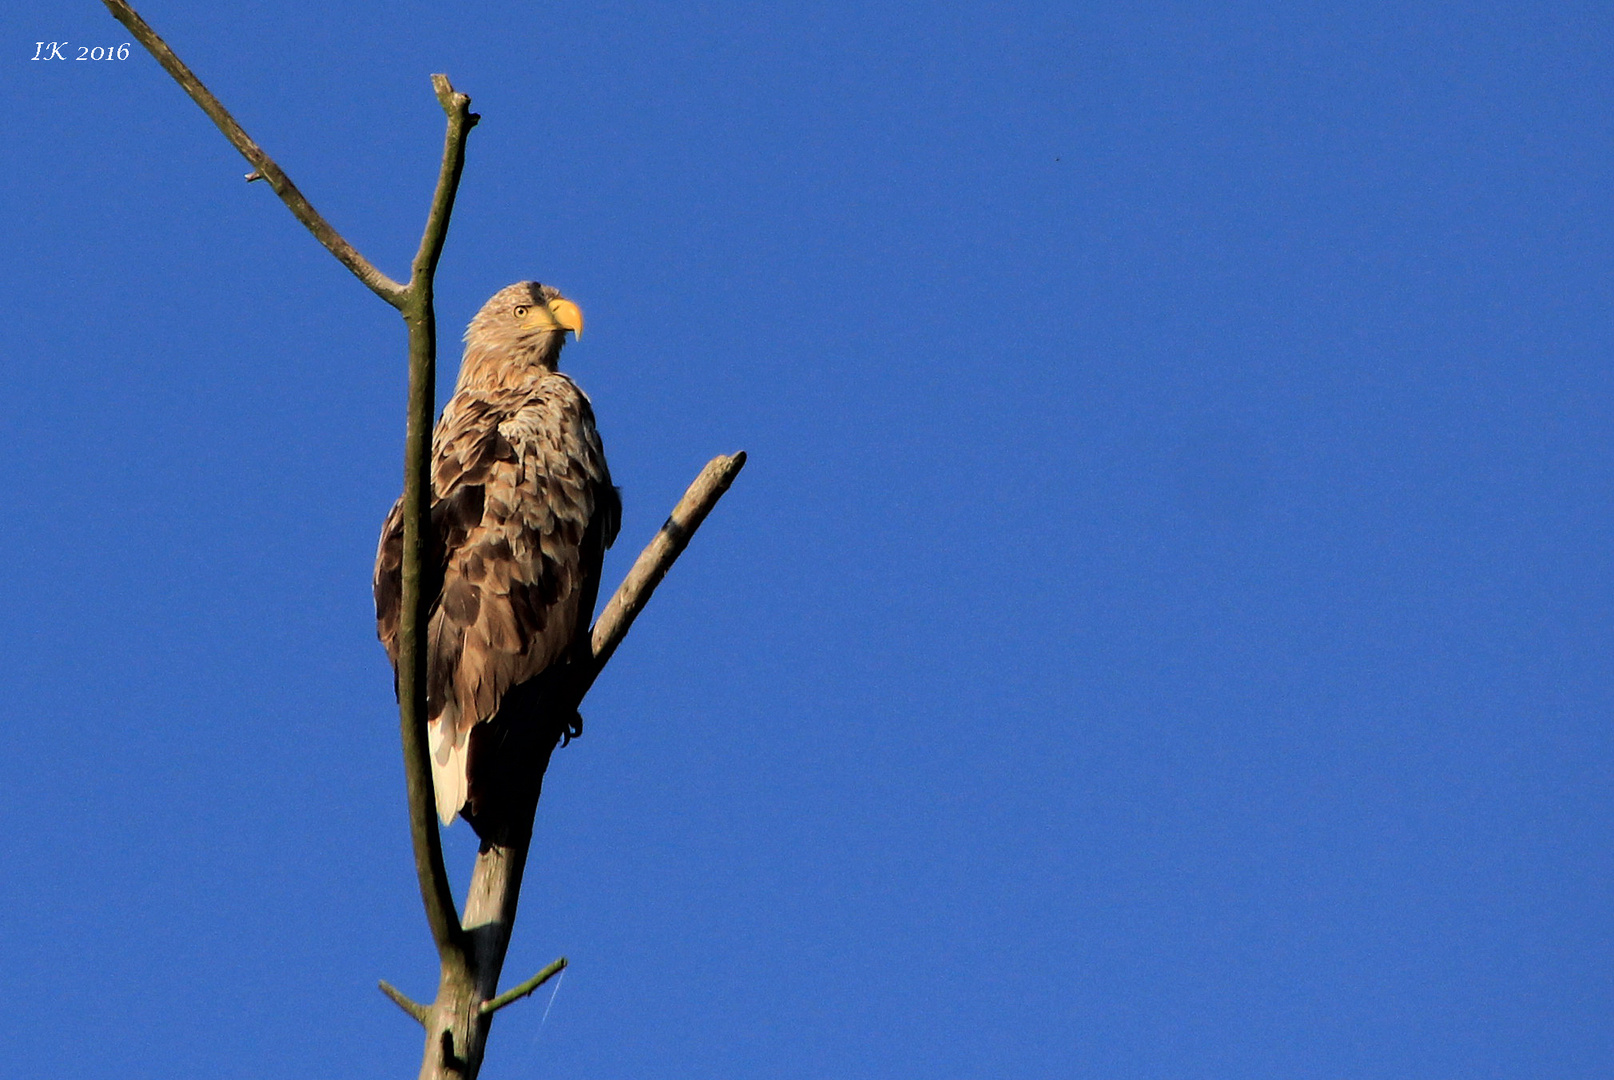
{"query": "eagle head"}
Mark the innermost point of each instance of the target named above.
(523, 324)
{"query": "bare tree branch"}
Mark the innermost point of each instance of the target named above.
(399, 998)
(657, 558)
(379, 283)
(460, 121)
(415, 604)
(521, 990)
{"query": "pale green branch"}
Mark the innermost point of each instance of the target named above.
(521, 990)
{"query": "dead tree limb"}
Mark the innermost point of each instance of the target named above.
(264, 167)
(470, 951)
(415, 610)
(657, 558)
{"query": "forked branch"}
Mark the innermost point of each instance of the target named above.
(414, 301)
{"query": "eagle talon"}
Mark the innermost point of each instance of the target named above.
(574, 728)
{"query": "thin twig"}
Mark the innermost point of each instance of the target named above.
(521, 990)
(380, 284)
(399, 998)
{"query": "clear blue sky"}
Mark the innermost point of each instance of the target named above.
(1164, 629)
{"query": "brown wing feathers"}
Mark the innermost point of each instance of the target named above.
(523, 509)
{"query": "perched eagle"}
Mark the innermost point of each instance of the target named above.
(522, 512)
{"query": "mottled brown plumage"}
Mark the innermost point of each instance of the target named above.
(522, 512)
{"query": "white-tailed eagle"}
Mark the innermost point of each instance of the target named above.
(522, 512)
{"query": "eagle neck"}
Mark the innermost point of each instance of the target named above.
(484, 368)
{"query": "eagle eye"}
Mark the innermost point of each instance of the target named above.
(521, 311)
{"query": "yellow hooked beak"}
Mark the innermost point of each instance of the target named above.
(567, 315)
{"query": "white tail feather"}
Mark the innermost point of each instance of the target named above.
(448, 767)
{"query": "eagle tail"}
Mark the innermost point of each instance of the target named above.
(449, 754)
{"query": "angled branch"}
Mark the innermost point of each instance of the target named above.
(399, 998)
(521, 990)
(380, 284)
(657, 558)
